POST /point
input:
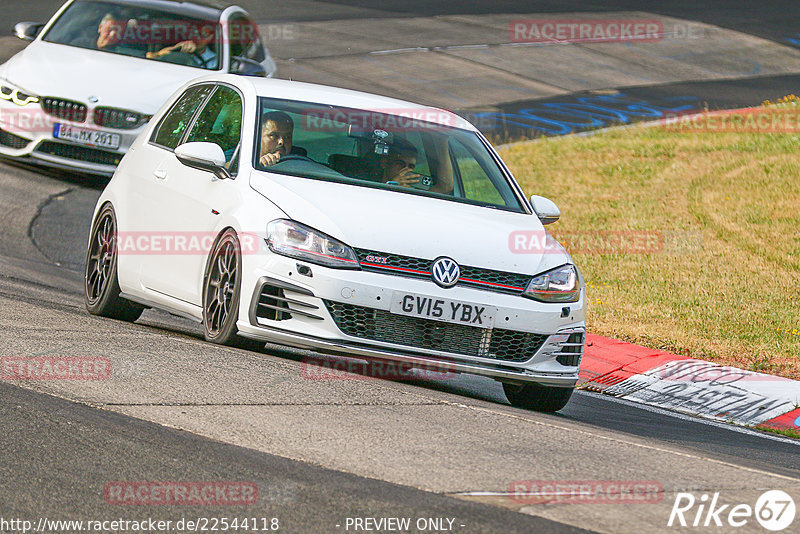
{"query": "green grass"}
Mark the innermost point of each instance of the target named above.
(788, 432)
(725, 283)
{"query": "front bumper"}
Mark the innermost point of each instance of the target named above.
(344, 348)
(300, 312)
(27, 134)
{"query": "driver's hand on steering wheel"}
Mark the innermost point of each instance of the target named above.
(187, 47)
(270, 158)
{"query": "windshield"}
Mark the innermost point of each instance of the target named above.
(139, 32)
(396, 150)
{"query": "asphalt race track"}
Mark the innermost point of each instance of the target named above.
(324, 452)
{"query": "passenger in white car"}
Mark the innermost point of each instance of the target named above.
(399, 164)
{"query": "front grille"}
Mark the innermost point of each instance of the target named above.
(571, 350)
(119, 119)
(380, 325)
(395, 264)
(64, 109)
(82, 153)
(12, 141)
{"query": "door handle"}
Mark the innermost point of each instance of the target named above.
(160, 174)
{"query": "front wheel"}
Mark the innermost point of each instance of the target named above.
(537, 397)
(101, 292)
(221, 289)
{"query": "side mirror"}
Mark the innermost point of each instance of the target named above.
(247, 67)
(28, 30)
(545, 209)
(205, 157)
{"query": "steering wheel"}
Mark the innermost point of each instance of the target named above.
(294, 157)
(182, 58)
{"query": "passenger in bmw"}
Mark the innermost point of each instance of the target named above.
(110, 33)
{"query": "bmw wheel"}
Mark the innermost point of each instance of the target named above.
(537, 397)
(100, 283)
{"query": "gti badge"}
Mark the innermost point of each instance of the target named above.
(445, 272)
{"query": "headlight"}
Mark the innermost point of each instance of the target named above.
(299, 241)
(13, 94)
(558, 285)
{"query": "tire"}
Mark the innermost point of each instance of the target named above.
(537, 397)
(101, 292)
(222, 285)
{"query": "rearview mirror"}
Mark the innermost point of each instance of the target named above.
(27, 30)
(545, 209)
(205, 157)
(247, 67)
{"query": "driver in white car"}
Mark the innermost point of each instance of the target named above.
(276, 137)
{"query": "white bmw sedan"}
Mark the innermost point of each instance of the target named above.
(342, 222)
(78, 95)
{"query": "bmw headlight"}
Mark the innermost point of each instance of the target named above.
(16, 95)
(557, 285)
(298, 241)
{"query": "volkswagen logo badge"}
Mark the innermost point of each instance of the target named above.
(445, 272)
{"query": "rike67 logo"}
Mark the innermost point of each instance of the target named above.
(774, 510)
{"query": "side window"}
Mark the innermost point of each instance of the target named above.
(244, 39)
(220, 121)
(172, 127)
(477, 184)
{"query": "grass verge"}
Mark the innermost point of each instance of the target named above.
(688, 241)
(787, 432)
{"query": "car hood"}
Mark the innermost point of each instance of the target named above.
(412, 225)
(48, 69)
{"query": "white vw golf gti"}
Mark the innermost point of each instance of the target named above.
(342, 222)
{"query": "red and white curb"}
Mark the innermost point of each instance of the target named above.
(690, 386)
